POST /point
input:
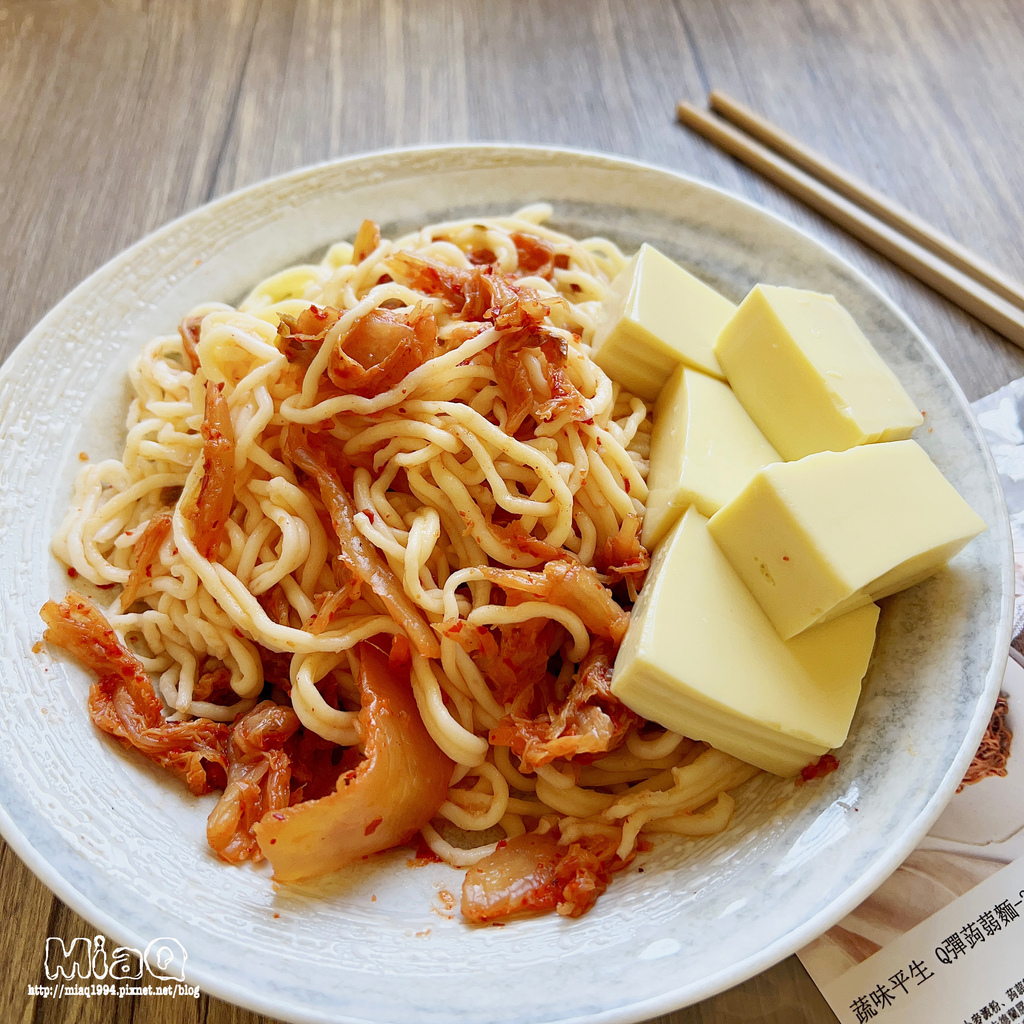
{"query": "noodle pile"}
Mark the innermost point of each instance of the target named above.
(395, 472)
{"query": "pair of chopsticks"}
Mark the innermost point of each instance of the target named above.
(963, 277)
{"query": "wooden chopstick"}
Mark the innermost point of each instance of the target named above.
(954, 284)
(868, 198)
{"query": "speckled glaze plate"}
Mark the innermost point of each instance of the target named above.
(122, 843)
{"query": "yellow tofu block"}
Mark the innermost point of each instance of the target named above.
(701, 658)
(704, 449)
(658, 316)
(808, 376)
(816, 538)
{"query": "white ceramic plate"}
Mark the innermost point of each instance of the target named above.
(124, 845)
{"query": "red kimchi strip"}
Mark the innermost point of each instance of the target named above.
(534, 873)
(825, 765)
(491, 296)
(382, 803)
(517, 312)
(431, 277)
(301, 336)
(122, 701)
(381, 348)
(367, 239)
(585, 871)
(328, 605)
(189, 331)
(536, 257)
(521, 397)
(517, 878)
(588, 721)
(591, 720)
(363, 560)
(212, 507)
(146, 550)
(573, 586)
(214, 683)
(275, 603)
(513, 380)
(259, 780)
(518, 660)
(623, 557)
(516, 537)
(480, 294)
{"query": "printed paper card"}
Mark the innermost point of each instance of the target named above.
(942, 940)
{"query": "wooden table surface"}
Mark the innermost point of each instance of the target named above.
(121, 114)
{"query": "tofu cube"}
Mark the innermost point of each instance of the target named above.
(658, 316)
(700, 657)
(808, 376)
(815, 538)
(704, 449)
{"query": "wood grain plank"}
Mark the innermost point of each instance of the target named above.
(66, 925)
(783, 995)
(25, 904)
(874, 103)
(117, 113)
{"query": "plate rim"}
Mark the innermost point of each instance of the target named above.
(725, 978)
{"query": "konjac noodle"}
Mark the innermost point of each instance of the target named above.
(372, 547)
